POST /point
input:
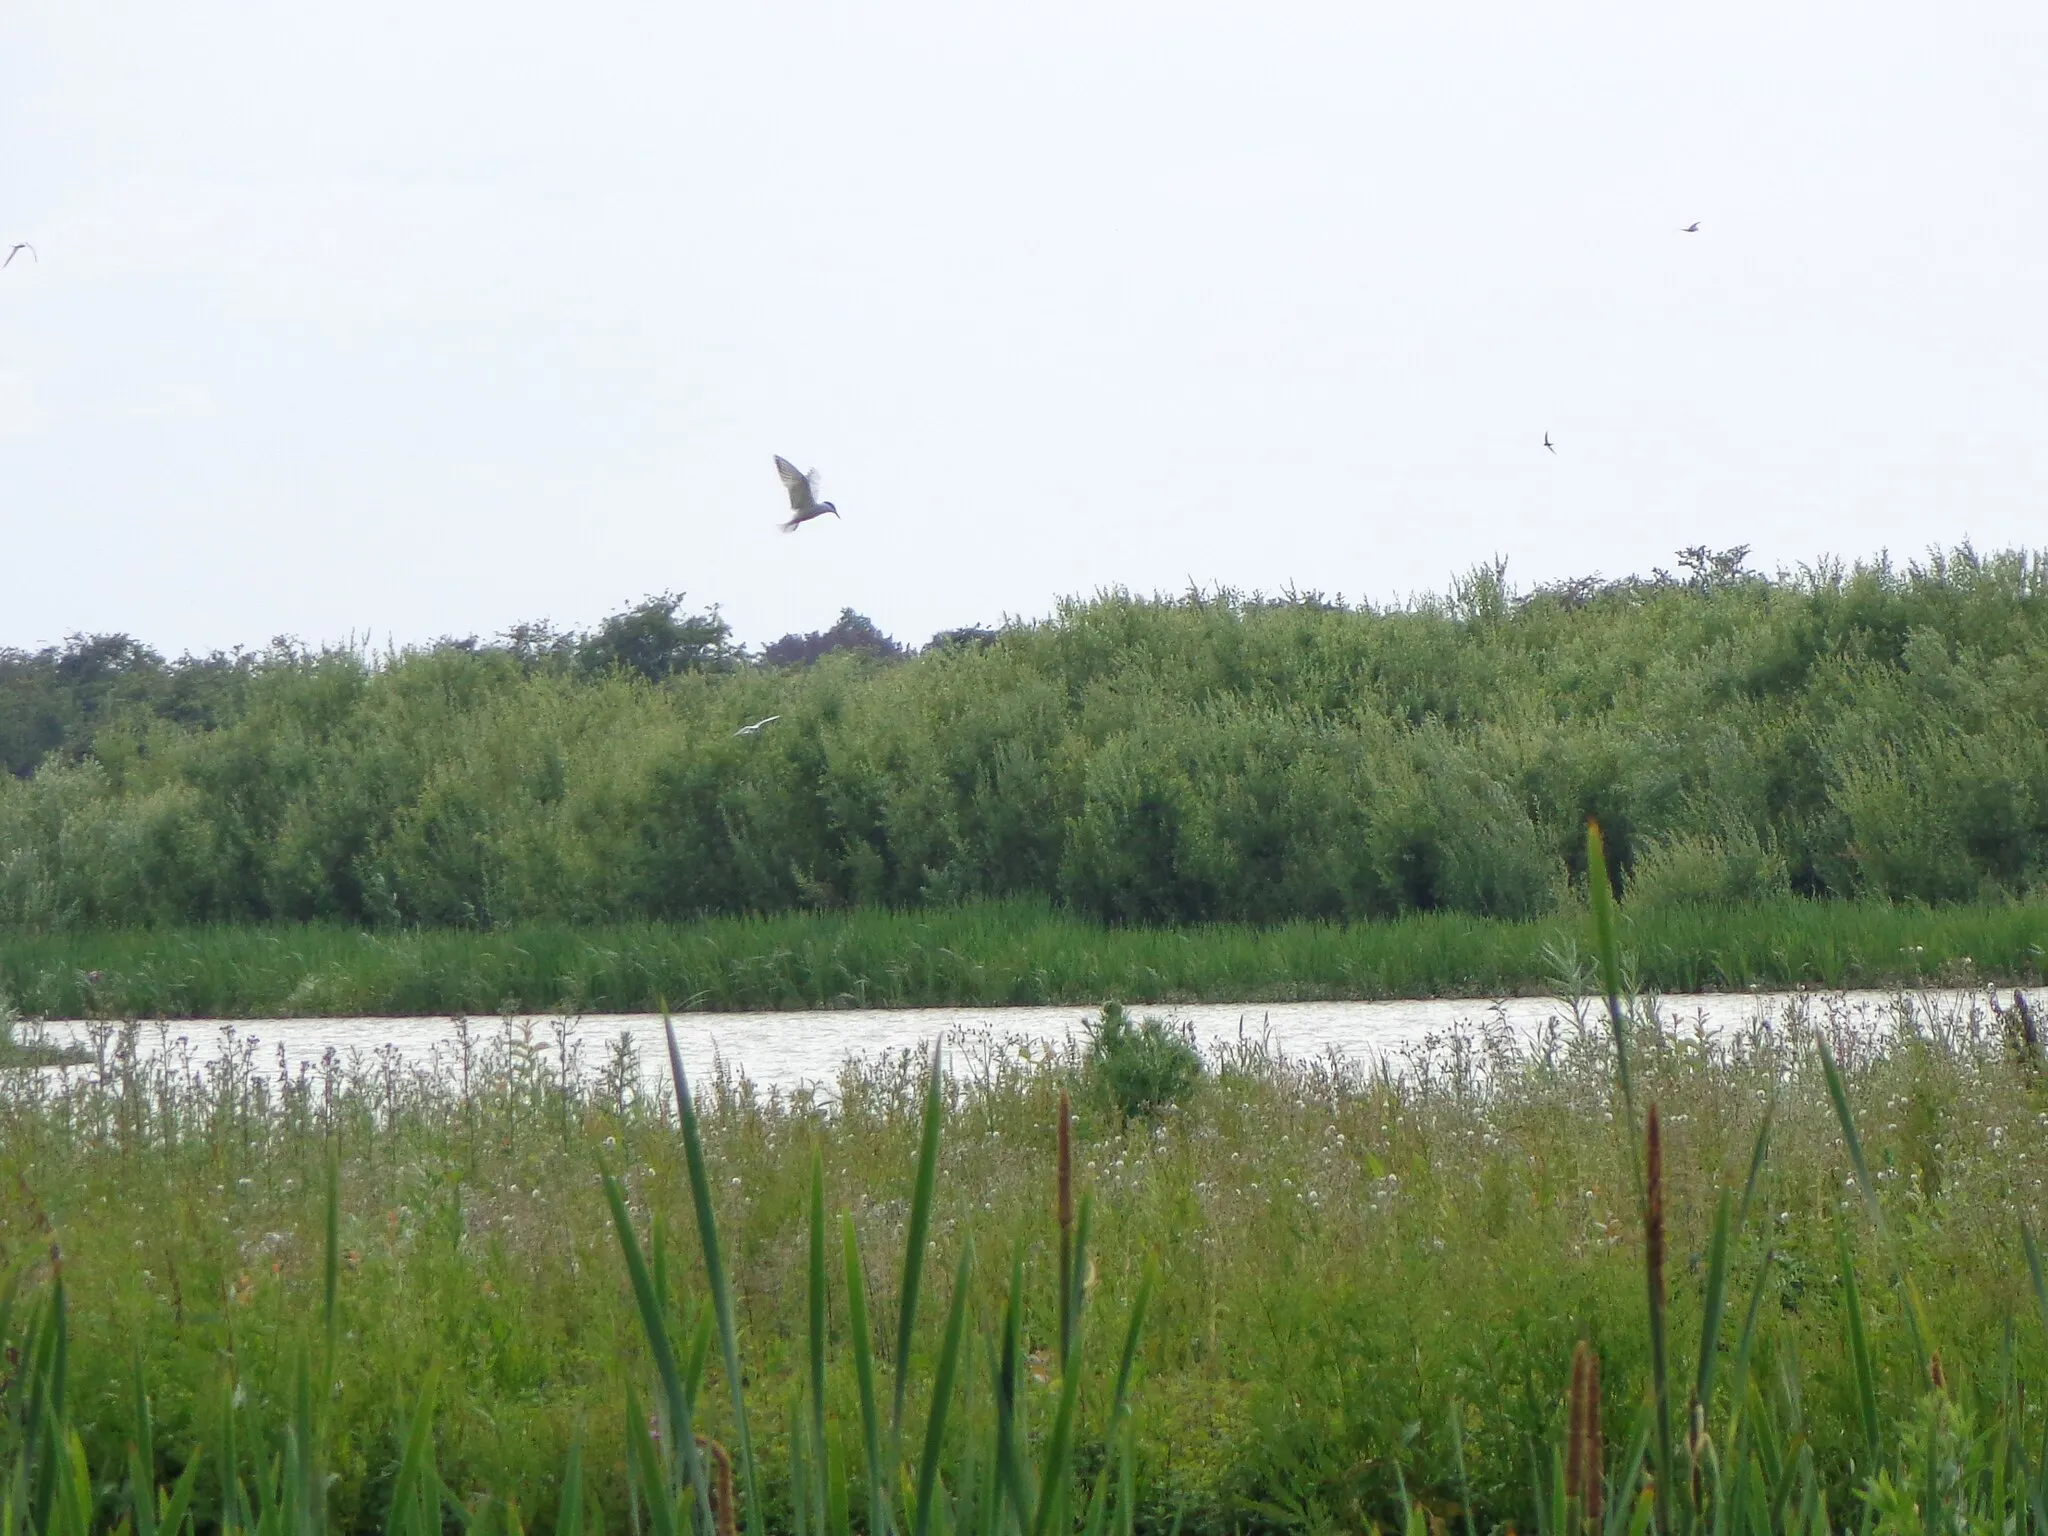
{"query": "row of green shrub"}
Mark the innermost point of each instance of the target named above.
(1870, 731)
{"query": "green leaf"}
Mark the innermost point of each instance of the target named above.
(942, 1393)
(714, 1271)
(919, 1232)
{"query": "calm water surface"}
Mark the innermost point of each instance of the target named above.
(789, 1050)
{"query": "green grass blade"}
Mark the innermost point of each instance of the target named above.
(942, 1394)
(2034, 1270)
(1132, 1331)
(1077, 1276)
(569, 1511)
(1621, 1497)
(171, 1518)
(407, 1486)
(141, 1494)
(654, 1325)
(141, 1451)
(1838, 1095)
(919, 1233)
(643, 1466)
(1859, 1351)
(1738, 1386)
(799, 1469)
(817, 1300)
(714, 1270)
(1009, 1384)
(1056, 1471)
(331, 1268)
(1458, 1461)
(864, 1377)
(1758, 1152)
(1711, 1307)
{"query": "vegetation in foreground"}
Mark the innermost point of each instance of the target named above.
(991, 954)
(1354, 1296)
(1872, 732)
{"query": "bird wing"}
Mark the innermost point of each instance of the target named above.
(797, 483)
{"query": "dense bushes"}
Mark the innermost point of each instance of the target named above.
(1874, 731)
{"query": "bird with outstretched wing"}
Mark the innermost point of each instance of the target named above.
(803, 495)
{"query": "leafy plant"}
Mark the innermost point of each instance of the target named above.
(1141, 1068)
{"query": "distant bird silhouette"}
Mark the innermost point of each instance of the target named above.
(1691, 229)
(19, 247)
(1548, 443)
(755, 728)
(803, 495)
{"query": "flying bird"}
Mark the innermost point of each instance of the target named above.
(1548, 443)
(19, 247)
(1691, 229)
(803, 495)
(755, 728)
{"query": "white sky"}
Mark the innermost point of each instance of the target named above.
(402, 319)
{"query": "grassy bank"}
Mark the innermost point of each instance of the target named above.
(1364, 1287)
(988, 954)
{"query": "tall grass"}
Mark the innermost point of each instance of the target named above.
(1468, 1288)
(994, 953)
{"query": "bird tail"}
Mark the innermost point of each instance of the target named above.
(792, 525)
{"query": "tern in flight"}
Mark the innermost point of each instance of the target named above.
(803, 495)
(19, 247)
(1548, 443)
(1691, 229)
(755, 728)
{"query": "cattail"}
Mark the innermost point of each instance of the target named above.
(1066, 1167)
(724, 1519)
(1064, 1210)
(1653, 1270)
(1595, 1494)
(1935, 1374)
(1575, 1435)
(1653, 1212)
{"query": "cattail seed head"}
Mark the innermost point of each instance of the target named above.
(724, 1517)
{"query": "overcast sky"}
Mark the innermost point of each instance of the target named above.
(408, 319)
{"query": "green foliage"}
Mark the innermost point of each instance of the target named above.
(1345, 1257)
(1874, 731)
(1140, 1068)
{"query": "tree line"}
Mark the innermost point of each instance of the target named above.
(1874, 730)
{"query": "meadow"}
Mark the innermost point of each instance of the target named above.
(997, 952)
(1285, 1295)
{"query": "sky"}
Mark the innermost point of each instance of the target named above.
(388, 321)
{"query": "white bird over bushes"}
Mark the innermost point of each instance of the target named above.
(803, 495)
(755, 728)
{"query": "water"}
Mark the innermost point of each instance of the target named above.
(790, 1050)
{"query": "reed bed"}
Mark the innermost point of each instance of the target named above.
(990, 953)
(1623, 1276)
